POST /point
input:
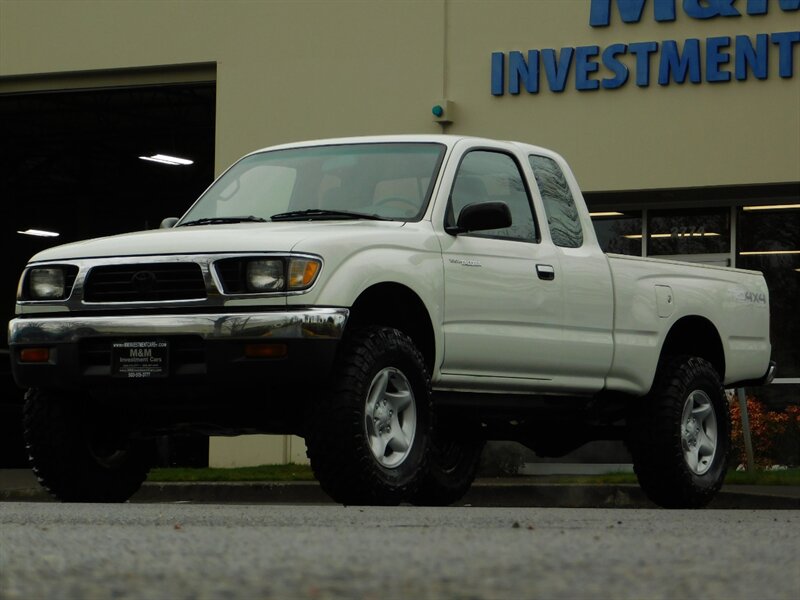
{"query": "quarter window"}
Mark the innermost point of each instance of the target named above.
(486, 176)
(562, 214)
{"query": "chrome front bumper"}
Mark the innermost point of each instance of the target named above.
(311, 323)
(205, 349)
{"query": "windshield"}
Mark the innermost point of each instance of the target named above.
(391, 181)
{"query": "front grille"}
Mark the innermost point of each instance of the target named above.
(231, 272)
(70, 274)
(143, 282)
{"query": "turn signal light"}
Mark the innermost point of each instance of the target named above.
(34, 355)
(302, 272)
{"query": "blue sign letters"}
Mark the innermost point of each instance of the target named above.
(713, 60)
(630, 11)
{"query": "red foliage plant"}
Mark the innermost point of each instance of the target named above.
(773, 433)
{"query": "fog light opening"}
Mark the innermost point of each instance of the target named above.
(34, 355)
(266, 350)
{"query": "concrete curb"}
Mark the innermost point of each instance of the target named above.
(488, 493)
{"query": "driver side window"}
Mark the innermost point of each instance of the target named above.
(486, 176)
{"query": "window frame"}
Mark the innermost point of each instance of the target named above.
(525, 183)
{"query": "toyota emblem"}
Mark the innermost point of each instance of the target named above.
(143, 281)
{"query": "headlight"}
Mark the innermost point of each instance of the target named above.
(265, 275)
(268, 274)
(47, 283)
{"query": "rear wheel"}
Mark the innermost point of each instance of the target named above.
(79, 455)
(451, 469)
(679, 435)
(368, 440)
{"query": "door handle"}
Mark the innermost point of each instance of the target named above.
(546, 272)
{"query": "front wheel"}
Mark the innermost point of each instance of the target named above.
(80, 454)
(368, 439)
(679, 435)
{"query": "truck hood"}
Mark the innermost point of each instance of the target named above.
(211, 239)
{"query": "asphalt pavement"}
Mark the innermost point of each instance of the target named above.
(21, 485)
(327, 552)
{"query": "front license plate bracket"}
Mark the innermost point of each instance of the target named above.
(140, 359)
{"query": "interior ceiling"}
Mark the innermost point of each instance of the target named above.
(69, 163)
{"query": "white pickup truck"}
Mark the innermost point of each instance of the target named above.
(396, 301)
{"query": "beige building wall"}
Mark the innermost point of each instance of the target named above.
(285, 70)
(630, 138)
(289, 70)
(307, 69)
(254, 450)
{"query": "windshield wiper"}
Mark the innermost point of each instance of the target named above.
(222, 220)
(320, 213)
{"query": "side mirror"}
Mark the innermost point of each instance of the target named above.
(482, 216)
(168, 223)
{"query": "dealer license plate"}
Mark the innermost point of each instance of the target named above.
(140, 359)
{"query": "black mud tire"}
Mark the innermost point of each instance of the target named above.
(337, 435)
(67, 458)
(452, 466)
(665, 444)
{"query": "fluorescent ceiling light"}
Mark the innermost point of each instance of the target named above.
(39, 233)
(766, 252)
(638, 236)
(166, 159)
(771, 207)
(606, 214)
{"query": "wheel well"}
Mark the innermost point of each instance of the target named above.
(695, 336)
(395, 305)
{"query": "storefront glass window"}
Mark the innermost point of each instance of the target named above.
(619, 232)
(688, 231)
(768, 240)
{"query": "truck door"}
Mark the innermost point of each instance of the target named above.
(503, 307)
(588, 345)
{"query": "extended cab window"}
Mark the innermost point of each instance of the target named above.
(486, 176)
(562, 214)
